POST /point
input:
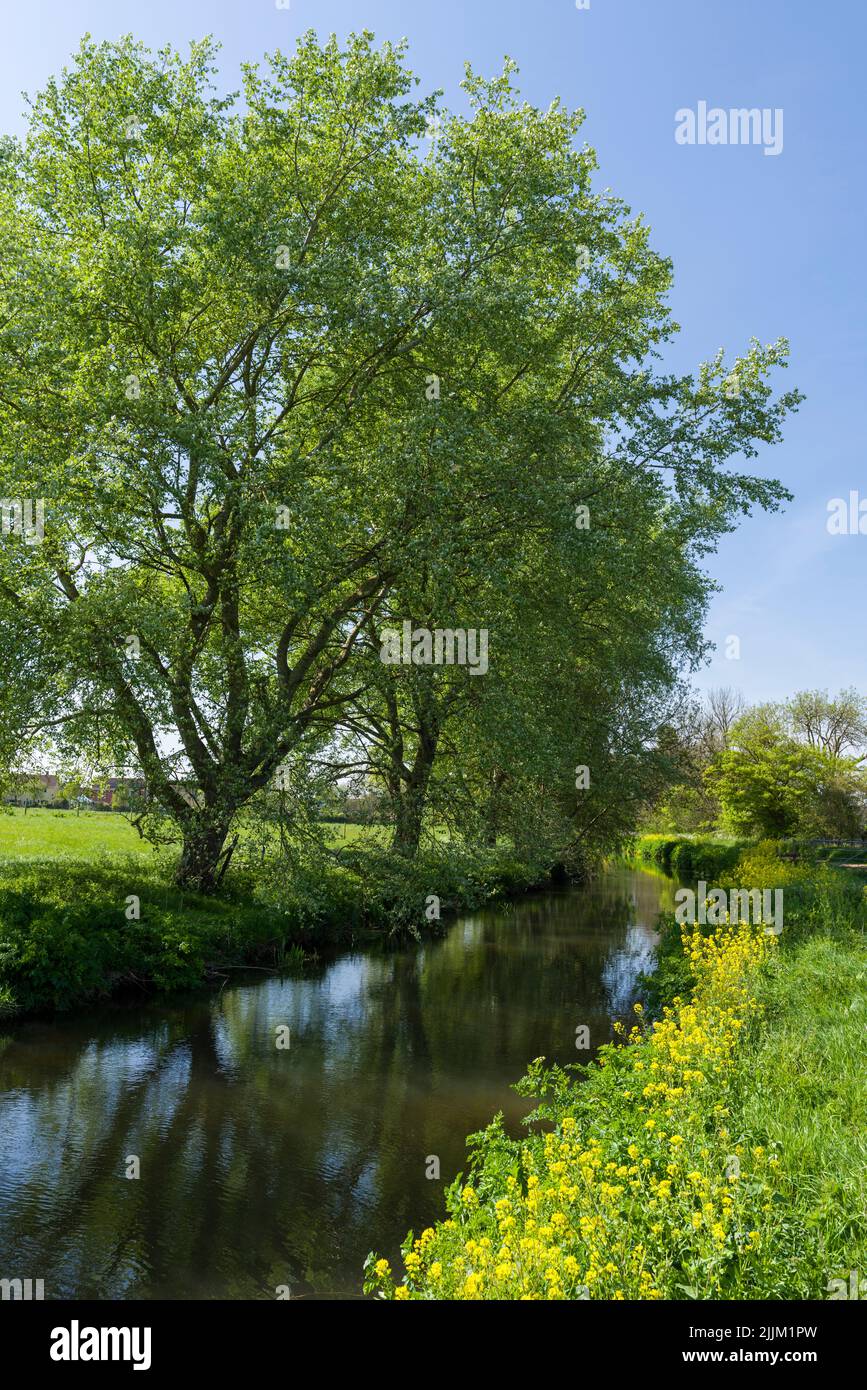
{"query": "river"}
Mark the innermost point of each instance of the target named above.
(264, 1166)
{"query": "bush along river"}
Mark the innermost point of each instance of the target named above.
(259, 1142)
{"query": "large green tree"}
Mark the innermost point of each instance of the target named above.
(263, 358)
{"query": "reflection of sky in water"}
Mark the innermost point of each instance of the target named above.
(19, 1116)
(344, 983)
(330, 1009)
(623, 967)
(471, 932)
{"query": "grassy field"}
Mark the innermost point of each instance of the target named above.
(67, 834)
(43, 833)
(800, 1086)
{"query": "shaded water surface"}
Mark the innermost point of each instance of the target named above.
(264, 1166)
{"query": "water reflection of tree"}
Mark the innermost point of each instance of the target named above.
(218, 1176)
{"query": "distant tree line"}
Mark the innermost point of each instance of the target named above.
(796, 767)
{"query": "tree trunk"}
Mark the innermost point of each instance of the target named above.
(493, 810)
(200, 856)
(410, 799)
(409, 805)
(408, 785)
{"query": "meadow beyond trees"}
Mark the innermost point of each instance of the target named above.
(293, 369)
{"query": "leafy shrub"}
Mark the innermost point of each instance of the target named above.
(686, 857)
(65, 938)
(656, 850)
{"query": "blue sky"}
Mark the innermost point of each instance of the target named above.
(763, 246)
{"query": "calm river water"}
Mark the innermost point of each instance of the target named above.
(263, 1166)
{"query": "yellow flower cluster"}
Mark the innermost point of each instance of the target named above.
(633, 1195)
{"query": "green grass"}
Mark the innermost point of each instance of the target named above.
(40, 833)
(67, 834)
(346, 832)
(801, 1086)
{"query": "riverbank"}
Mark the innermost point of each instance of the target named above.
(708, 857)
(718, 1153)
(76, 929)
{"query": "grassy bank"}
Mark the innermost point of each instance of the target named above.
(716, 1153)
(687, 856)
(85, 922)
(713, 857)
